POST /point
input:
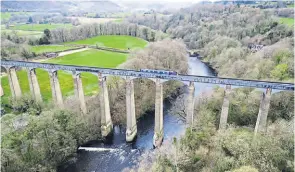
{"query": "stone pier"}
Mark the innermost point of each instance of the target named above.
(225, 107)
(158, 135)
(55, 89)
(79, 93)
(261, 122)
(131, 130)
(34, 85)
(106, 120)
(13, 82)
(190, 103)
(1, 90)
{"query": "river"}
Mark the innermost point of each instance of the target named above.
(117, 154)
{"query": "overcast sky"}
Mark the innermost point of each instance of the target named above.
(137, 1)
(113, 0)
(157, 1)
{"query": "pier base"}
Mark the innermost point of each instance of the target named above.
(261, 122)
(159, 135)
(225, 108)
(106, 120)
(131, 130)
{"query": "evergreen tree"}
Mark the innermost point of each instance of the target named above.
(30, 20)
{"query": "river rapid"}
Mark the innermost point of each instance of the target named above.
(116, 155)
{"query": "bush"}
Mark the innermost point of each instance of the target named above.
(26, 104)
(41, 143)
(245, 169)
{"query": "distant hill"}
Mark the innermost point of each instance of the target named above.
(62, 6)
(157, 5)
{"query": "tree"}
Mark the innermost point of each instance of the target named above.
(26, 52)
(280, 72)
(30, 20)
(179, 107)
(47, 33)
(46, 37)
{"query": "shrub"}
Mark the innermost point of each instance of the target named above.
(41, 143)
(26, 104)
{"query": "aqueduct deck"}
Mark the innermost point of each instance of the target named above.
(129, 75)
(138, 74)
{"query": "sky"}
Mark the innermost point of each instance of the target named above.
(137, 1)
(157, 0)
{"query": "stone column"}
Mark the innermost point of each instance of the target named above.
(261, 121)
(13, 82)
(34, 86)
(55, 89)
(79, 93)
(190, 103)
(106, 120)
(225, 107)
(158, 136)
(131, 130)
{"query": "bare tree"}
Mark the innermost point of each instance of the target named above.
(179, 107)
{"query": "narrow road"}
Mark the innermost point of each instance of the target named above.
(72, 51)
(61, 54)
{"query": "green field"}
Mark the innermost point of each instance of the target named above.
(90, 14)
(118, 20)
(120, 15)
(49, 48)
(92, 57)
(287, 21)
(7, 15)
(114, 41)
(291, 6)
(39, 27)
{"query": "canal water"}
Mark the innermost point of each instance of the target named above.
(117, 154)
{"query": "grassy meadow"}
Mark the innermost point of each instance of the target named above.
(113, 41)
(49, 48)
(7, 15)
(287, 21)
(92, 57)
(96, 58)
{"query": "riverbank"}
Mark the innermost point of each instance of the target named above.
(214, 71)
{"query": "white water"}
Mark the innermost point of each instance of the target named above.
(96, 149)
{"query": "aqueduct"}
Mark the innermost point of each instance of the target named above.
(129, 75)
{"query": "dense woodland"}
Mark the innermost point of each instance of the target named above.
(221, 35)
(91, 30)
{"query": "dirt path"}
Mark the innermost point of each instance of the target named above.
(72, 51)
(61, 54)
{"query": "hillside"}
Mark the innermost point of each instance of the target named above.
(62, 6)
